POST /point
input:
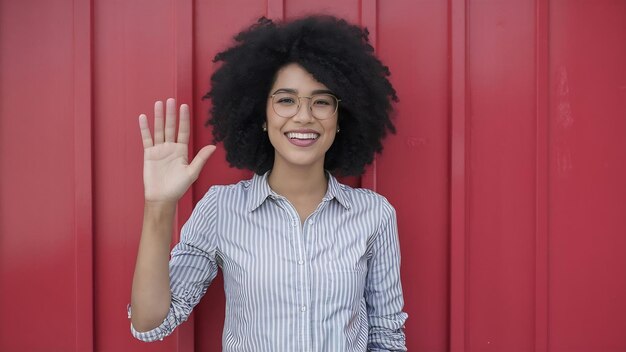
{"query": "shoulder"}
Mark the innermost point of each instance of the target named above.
(364, 196)
(238, 195)
(240, 186)
(366, 200)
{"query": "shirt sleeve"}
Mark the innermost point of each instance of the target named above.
(192, 267)
(383, 290)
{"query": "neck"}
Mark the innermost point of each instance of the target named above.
(298, 182)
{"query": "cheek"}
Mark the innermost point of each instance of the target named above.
(332, 139)
(331, 130)
(271, 119)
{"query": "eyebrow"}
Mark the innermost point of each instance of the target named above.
(295, 91)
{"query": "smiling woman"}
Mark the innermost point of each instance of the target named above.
(308, 263)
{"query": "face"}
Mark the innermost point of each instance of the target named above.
(301, 140)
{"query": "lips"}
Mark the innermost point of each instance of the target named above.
(302, 138)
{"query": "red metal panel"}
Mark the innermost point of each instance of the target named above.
(413, 170)
(134, 65)
(348, 9)
(83, 195)
(501, 188)
(587, 173)
(183, 52)
(542, 176)
(458, 174)
(369, 19)
(275, 9)
(37, 192)
(526, 176)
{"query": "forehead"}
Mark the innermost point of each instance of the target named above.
(295, 77)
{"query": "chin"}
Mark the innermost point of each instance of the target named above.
(299, 161)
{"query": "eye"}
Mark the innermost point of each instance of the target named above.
(323, 101)
(286, 101)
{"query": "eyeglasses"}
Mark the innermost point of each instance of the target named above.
(322, 106)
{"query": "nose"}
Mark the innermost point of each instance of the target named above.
(304, 113)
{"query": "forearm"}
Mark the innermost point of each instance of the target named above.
(151, 297)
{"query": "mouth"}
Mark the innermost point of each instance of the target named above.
(302, 139)
(302, 136)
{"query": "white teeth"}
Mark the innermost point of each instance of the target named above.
(302, 135)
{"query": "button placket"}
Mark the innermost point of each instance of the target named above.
(303, 284)
(303, 280)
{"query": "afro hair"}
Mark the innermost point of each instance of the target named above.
(337, 54)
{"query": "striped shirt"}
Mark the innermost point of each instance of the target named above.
(331, 283)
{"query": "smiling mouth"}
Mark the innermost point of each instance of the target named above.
(302, 136)
(302, 139)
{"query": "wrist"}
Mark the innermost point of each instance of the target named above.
(159, 208)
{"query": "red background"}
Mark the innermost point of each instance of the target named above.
(508, 169)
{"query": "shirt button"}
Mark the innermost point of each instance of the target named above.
(311, 222)
(300, 262)
(303, 309)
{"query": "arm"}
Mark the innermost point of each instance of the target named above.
(383, 290)
(150, 297)
(167, 176)
(192, 267)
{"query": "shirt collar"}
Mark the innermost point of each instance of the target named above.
(260, 188)
(336, 190)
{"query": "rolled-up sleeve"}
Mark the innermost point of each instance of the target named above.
(383, 290)
(192, 267)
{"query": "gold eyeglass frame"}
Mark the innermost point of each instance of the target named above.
(309, 104)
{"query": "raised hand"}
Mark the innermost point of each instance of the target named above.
(167, 173)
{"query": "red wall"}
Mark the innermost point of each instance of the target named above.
(507, 170)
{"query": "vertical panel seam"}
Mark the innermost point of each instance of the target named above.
(368, 12)
(183, 79)
(542, 168)
(459, 47)
(83, 172)
(275, 9)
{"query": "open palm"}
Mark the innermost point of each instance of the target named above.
(167, 174)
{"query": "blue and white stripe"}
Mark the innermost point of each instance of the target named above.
(330, 284)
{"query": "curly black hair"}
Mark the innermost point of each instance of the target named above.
(337, 54)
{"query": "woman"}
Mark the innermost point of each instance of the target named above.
(309, 264)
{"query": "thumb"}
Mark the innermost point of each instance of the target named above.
(200, 159)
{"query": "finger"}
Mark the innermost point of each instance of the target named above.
(183, 125)
(198, 162)
(145, 131)
(158, 122)
(170, 120)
